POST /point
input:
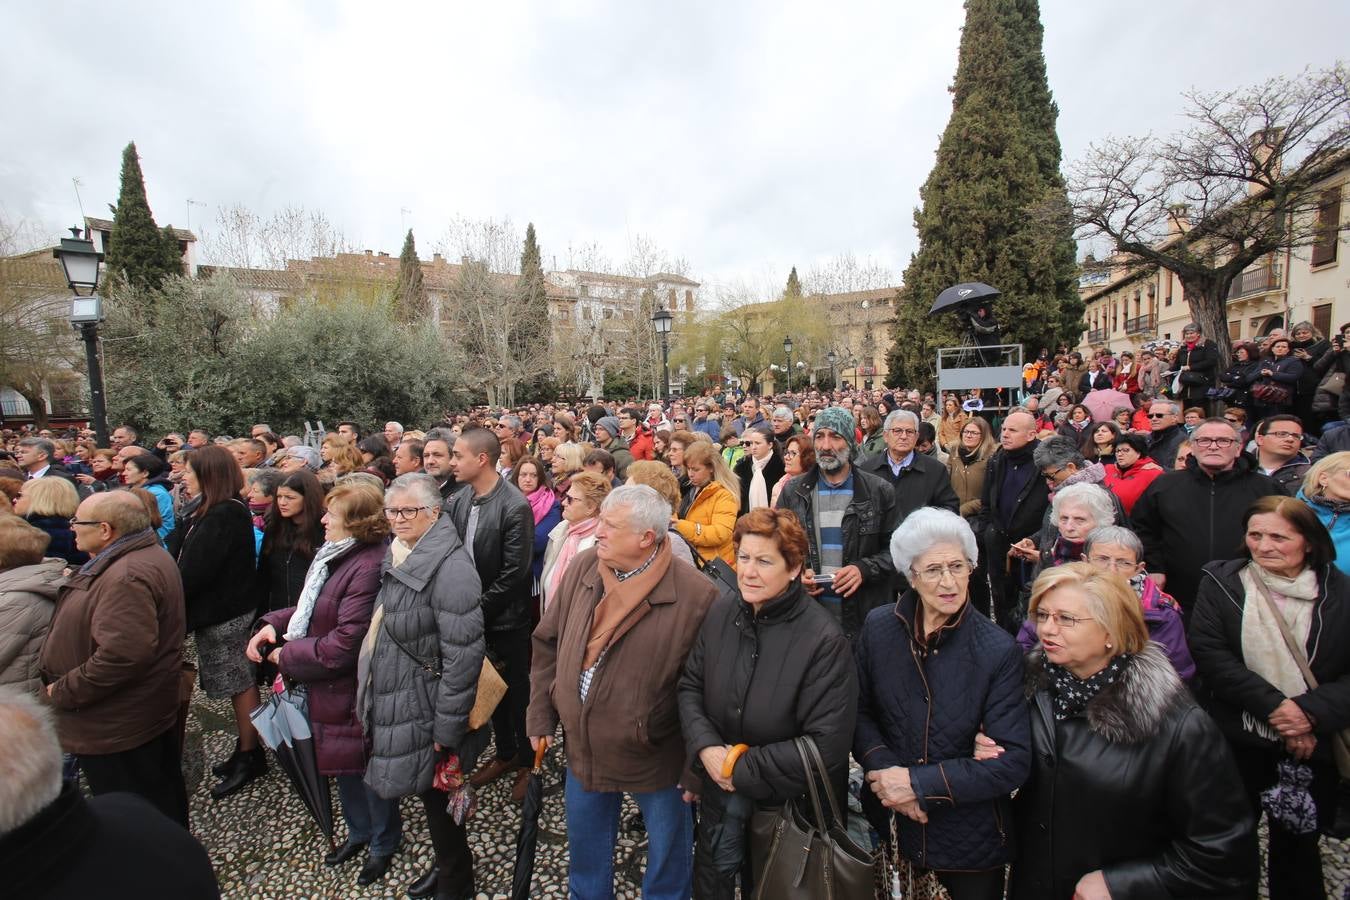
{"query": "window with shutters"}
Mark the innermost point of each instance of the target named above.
(1321, 318)
(1328, 227)
(1235, 329)
(1167, 301)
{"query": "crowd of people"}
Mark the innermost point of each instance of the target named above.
(1062, 648)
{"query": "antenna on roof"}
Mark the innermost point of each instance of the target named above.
(76, 181)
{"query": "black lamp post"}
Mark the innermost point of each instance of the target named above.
(787, 348)
(662, 319)
(80, 261)
(832, 358)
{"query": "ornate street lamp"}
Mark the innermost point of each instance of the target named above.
(663, 319)
(80, 261)
(832, 358)
(787, 348)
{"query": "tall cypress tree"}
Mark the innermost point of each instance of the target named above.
(529, 326)
(989, 212)
(410, 293)
(138, 252)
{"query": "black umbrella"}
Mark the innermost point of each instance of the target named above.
(283, 724)
(958, 294)
(528, 838)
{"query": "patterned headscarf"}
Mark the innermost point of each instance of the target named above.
(840, 421)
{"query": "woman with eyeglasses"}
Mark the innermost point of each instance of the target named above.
(1131, 471)
(931, 672)
(1269, 632)
(316, 642)
(575, 533)
(967, 464)
(799, 456)
(1133, 792)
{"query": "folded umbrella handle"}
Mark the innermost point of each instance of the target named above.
(539, 756)
(729, 764)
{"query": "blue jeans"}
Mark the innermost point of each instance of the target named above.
(592, 831)
(370, 818)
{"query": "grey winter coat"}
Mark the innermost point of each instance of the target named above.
(430, 608)
(27, 600)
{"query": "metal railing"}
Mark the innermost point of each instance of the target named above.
(1256, 281)
(1096, 335)
(1140, 325)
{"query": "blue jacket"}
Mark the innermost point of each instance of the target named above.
(541, 531)
(164, 500)
(1336, 517)
(921, 707)
(711, 427)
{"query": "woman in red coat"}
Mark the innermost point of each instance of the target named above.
(316, 643)
(1132, 471)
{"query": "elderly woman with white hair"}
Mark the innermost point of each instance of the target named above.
(932, 672)
(1075, 512)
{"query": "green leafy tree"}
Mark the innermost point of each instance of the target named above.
(990, 212)
(794, 285)
(410, 293)
(530, 329)
(139, 253)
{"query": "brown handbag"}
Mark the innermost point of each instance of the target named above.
(813, 857)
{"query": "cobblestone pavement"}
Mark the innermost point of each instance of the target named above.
(265, 846)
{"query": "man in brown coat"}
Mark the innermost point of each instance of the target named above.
(113, 656)
(607, 660)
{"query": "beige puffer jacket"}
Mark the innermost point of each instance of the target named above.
(27, 600)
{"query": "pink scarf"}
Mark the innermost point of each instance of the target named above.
(576, 533)
(541, 501)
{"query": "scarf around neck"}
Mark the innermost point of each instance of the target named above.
(624, 593)
(314, 581)
(759, 488)
(541, 500)
(1072, 694)
(576, 533)
(1263, 647)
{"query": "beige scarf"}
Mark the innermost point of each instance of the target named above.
(620, 600)
(1263, 649)
(759, 488)
(398, 552)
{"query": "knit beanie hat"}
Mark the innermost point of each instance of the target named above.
(610, 424)
(841, 423)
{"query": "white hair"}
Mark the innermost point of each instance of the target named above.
(1090, 497)
(924, 529)
(418, 484)
(1115, 534)
(30, 767)
(646, 509)
(394, 425)
(900, 415)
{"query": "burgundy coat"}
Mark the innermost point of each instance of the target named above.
(325, 659)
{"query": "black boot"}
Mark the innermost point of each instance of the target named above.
(222, 768)
(252, 765)
(424, 886)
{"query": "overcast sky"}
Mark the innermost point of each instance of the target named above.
(746, 137)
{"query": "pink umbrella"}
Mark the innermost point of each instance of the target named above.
(1102, 403)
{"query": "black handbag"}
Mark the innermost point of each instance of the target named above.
(722, 575)
(810, 856)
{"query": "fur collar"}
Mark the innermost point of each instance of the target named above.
(1132, 710)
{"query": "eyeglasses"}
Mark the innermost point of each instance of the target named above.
(1158, 415)
(403, 512)
(901, 432)
(1107, 562)
(74, 522)
(934, 574)
(1050, 475)
(1063, 620)
(1285, 435)
(790, 454)
(1221, 442)
(568, 498)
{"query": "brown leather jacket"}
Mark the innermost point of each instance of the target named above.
(626, 736)
(115, 650)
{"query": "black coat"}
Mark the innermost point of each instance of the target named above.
(281, 574)
(114, 847)
(215, 553)
(1286, 372)
(921, 709)
(1230, 688)
(869, 521)
(1093, 381)
(1164, 445)
(924, 482)
(1186, 520)
(1143, 787)
(764, 680)
(1240, 377)
(773, 470)
(63, 538)
(503, 551)
(1204, 363)
(1032, 501)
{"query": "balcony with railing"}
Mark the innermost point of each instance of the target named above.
(1141, 325)
(1255, 281)
(1096, 336)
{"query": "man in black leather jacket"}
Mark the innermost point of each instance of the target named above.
(497, 527)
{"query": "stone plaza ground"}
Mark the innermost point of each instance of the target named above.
(265, 846)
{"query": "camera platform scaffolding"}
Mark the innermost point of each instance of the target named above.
(989, 367)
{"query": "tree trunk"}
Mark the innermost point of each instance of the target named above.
(38, 404)
(1208, 302)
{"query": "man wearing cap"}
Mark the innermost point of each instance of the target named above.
(609, 437)
(848, 515)
(1197, 364)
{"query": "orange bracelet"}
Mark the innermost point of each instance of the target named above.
(734, 754)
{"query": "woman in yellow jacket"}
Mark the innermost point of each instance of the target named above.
(711, 519)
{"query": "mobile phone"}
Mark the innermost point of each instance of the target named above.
(823, 578)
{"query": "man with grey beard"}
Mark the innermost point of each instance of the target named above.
(848, 515)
